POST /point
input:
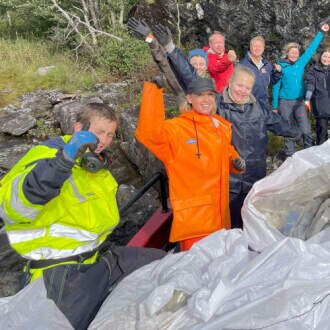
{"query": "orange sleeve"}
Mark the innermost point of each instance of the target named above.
(151, 130)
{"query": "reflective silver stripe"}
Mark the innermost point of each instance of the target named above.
(80, 235)
(4, 216)
(80, 197)
(17, 205)
(48, 253)
(18, 236)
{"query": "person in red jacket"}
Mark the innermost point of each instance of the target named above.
(196, 150)
(220, 63)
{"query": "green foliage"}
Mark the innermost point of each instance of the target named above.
(275, 144)
(20, 61)
(125, 58)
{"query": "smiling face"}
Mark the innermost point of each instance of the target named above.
(240, 87)
(293, 54)
(203, 103)
(217, 43)
(257, 48)
(103, 128)
(325, 58)
(199, 63)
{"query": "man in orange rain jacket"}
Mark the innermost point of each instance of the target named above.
(197, 153)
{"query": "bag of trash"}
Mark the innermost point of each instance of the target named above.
(293, 201)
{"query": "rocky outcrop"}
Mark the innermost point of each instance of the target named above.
(279, 21)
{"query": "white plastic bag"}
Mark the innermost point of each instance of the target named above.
(286, 202)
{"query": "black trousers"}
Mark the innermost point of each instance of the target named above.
(235, 205)
(79, 290)
(321, 130)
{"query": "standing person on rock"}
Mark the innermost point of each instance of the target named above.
(289, 91)
(59, 205)
(196, 150)
(264, 71)
(318, 94)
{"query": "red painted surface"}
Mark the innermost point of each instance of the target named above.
(155, 232)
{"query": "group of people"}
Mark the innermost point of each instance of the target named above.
(240, 96)
(58, 202)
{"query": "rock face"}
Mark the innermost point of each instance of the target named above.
(279, 21)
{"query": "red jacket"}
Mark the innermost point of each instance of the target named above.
(220, 68)
(199, 187)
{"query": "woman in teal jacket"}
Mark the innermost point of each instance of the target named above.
(289, 91)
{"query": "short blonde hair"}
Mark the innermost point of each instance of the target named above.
(242, 69)
(288, 47)
(258, 38)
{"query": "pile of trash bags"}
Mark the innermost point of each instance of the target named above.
(275, 274)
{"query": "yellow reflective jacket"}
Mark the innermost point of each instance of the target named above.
(77, 220)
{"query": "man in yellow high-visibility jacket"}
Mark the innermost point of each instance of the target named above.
(59, 205)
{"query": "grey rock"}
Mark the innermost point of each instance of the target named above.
(42, 71)
(16, 124)
(12, 150)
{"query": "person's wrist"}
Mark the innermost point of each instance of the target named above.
(149, 38)
(169, 47)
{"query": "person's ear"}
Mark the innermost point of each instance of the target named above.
(188, 98)
(77, 126)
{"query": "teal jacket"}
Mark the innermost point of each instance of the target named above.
(291, 84)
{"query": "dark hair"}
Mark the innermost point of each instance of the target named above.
(91, 110)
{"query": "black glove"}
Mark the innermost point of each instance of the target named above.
(164, 37)
(159, 80)
(239, 164)
(139, 28)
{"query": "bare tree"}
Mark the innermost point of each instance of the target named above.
(85, 22)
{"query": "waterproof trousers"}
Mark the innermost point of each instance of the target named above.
(295, 113)
(235, 205)
(321, 130)
(79, 290)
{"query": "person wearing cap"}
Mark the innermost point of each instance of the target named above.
(196, 150)
(198, 59)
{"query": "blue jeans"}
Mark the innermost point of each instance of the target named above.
(295, 113)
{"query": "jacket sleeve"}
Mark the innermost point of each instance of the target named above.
(310, 82)
(183, 70)
(309, 52)
(276, 124)
(276, 94)
(46, 178)
(151, 130)
(275, 76)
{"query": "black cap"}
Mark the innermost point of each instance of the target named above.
(200, 84)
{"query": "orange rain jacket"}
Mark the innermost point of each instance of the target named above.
(199, 187)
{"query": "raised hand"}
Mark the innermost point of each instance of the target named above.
(163, 35)
(139, 28)
(79, 143)
(325, 27)
(231, 55)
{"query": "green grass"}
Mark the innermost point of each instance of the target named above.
(19, 61)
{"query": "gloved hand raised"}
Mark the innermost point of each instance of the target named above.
(164, 37)
(239, 164)
(139, 28)
(79, 143)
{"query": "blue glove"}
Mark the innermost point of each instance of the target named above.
(79, 143)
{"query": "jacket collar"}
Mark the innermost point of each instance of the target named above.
(197, 117)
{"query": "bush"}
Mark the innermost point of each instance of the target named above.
(126, 58)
